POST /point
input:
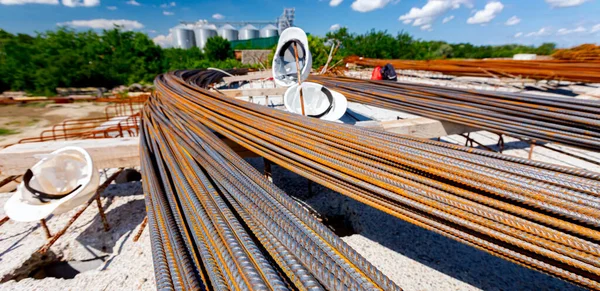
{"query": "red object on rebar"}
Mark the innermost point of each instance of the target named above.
(376, 75)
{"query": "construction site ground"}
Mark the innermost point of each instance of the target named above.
(29, 120)
(414, 258)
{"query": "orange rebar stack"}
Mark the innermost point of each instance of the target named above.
(575, 71)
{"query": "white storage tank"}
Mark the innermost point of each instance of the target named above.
(525, 57)
(183, 37)
(203, 33)
(249, 32)
(228, 32)
(269, 31)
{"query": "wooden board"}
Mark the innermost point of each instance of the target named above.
(106, 153)
(418, 127)
(233, 93)
(249, 77)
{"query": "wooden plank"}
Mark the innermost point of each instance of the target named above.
(263, 100)
(418, 127)
(254, 92)
(249, 77)
(106, 153)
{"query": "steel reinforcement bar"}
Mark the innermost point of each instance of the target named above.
(575, 71)
(568, 121)
(218, 223)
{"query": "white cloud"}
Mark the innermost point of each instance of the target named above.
(334, 27)
(518, 34)
(111, 7)
(104, 24)
(491, 10)
(448, 19)
(513, 21)
(432, 10)
(595, 28)
(133, 2)
(167, 5)
(164, 40)
(81, 3)
(565, 3)
(334, 3)
(218, 16)
(564, 31)
(426, 27)
(368, 5)
(23, 2)
(168, 13)
(542, 32)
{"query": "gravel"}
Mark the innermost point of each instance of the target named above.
(127, 265)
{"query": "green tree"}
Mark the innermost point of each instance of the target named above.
(218, 49)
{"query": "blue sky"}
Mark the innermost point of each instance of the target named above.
(566, 22)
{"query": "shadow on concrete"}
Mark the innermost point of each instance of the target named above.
(445, 255)
(122, 220)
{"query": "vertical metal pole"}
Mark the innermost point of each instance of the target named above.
(102, 215)
(45, 227)
(532, 145)
(268, 173)
(299, 77)
(141, 230)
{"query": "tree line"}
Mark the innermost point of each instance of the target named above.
(67, 58)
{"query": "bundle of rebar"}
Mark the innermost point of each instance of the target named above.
(568, 121)
(584, 52)
(216, 222)
(572, 70)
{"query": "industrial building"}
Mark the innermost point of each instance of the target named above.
(195, 34)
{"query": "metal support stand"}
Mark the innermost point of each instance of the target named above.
(45, 228)
(500, 143)
(268, 173)
(531, 146)
(141, 230)
(4, 220)
(102, 215)
(299, 77)
(60, 233)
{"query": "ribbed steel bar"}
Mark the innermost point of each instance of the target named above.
(571, 70)
(551, 119)
(542, 216)
(217, 223)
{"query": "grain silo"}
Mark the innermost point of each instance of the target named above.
(183, 37)
(269, 31)
(203, 33)
(228, 32)
(249, 32)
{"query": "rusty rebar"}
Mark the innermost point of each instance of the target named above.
(200, 193)
(73, 218)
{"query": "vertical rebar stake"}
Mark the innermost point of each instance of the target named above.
(45, 227)
(532, 145)
(268, 173)
(141, 230)
(102, 215)
(299, 78)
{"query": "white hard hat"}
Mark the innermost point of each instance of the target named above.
(285, 71)
(61, 181)
(319, 101)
